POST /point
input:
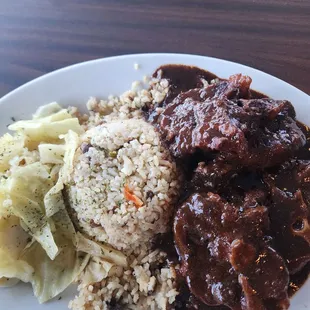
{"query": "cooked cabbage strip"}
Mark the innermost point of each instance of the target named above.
(12, 242)
(51, 153)
(51, 277)
(32, 181)
(13, 238)
(96, 270)
(53, 199)
(14, 268)
(26, 189)
(10, 146)
(58, 116)
(48, 128)
(47, 110)
(34, 218)
(64, 225)
(101, 250)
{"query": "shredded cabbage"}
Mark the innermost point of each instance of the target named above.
(38, 242)
(51, 277)
(49, 128)
(27, 187)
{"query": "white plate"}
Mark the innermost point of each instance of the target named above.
(75, 84)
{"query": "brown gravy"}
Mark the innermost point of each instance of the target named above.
(183, 78)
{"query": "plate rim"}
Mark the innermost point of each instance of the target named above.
(133, 56)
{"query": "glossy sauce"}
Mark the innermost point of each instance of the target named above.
(183, 78)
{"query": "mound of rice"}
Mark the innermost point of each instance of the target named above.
(124, 184)
(123, 190)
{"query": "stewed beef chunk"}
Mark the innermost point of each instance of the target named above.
(214, 174)
(290, 213)
(236, 87)
(254, 133)
(223, 256)
(204, 126)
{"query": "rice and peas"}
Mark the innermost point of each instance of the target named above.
(120, 191)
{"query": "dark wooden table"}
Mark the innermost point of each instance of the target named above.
(39, 36)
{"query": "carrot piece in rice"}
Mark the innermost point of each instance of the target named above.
(129, 196)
